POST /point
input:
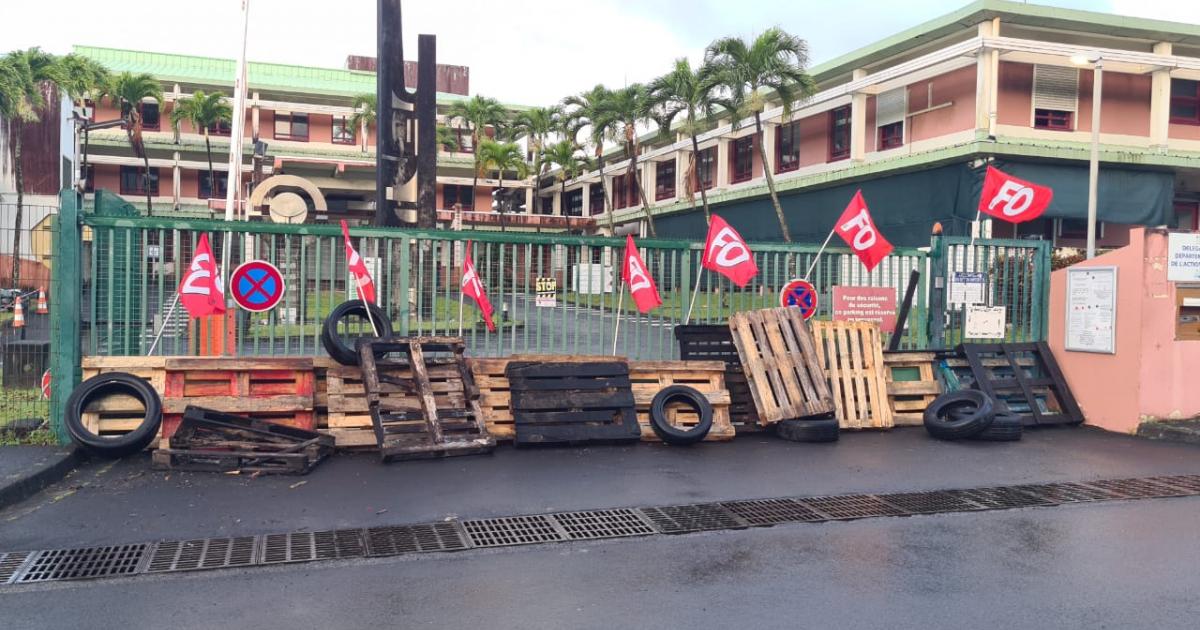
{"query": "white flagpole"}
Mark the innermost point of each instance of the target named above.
(235, 137)
(460, 311)
(695, 291)
(163, 328)
(617, 329)
(976, 227)
(818, 257)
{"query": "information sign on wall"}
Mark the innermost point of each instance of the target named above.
(1091, 309)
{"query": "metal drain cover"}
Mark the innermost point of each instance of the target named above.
(512, 530)
(293, 547)
(204, 553)
(698, 517)
(1140, 488)
(10, 563)
(395, 540)
(1068, 492)
(851, 506)
(602, 524)
(1191, 483)
(339, 544)
(763, 512)
(1000, 498)
(929, 502)
(84, 563)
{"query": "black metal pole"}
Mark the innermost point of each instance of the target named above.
(389, 83)
(427, 131)
(905, 306)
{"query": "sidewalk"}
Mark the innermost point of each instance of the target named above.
(25, 470)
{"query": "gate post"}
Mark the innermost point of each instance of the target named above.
(937, 289)
(66, 289)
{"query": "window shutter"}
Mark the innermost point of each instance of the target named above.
(891, 106)
(1055, 87)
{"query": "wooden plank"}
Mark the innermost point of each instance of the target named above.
(852, 355)
(784, 383)
(238, 363)
(121, 364)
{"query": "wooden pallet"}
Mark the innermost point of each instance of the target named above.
(564, 402)
(426, 404)
(1027, 381)
(851, 355)
(217, 442)
(781, 363)
(707, 377)
(495, 398)
(911, 385)
(715, 343)
(119, 414)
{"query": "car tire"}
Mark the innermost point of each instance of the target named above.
(808, 430)
(959, 415)
(332, 341)
(1005, 427)
(106, 385)
(668, 432)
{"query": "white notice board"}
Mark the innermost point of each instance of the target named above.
(1092, 310)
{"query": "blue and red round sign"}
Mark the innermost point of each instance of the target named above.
(256, 285)
(800, 294)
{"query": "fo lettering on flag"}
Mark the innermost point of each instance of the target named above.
(362, 277)
(726, 252)
(473, 288)
(1010, 199)
(201, 291)
(641, 285)
(858, 230)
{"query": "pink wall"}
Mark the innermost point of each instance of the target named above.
(108, 177)
(1124, 105)
(1183, 132)
(483, 199)
(814, 139)
(320, 128)
(266, 124)
(957, 87)
(1015, 96)
(1169, 367)
(189, 183)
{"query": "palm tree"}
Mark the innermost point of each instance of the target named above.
(364, 116)
(477, 113)
(563, 155)
(537, 124)
(130, 90)
(623, 110)
(587, 114)
(502, 156)
(203, 111)
(688, 92)
(446, 138)
(774, 62)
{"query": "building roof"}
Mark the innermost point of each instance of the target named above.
(269, 77)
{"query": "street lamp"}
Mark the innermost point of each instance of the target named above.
(1097, 62)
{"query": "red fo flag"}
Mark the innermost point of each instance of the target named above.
(858, 230)
(641, 285)
(1011, 199)
(473, 288)
(726, 253)
(200, 291)
(362, 277)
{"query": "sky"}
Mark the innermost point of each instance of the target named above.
(528, 52)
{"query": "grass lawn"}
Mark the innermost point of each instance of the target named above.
(24, 403)
(444, 317)
(709, 305)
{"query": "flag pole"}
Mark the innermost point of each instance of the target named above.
(617, 329)
(460, 311)
(818, 256)
(695, 291)
(163, 328)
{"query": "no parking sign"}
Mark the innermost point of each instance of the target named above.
(256, 285)
(800, 294)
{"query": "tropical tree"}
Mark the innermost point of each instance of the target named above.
(203, 111)
(501, 157)
(536, 125)
(564, 155)
(587, 113)
(477, 113)
(130, 90)
(365, 114)
(775, 61)
(622, 111)
(691, 93)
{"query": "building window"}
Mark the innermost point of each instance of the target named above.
(546, 206)
(891, 136)
(1185, 101)
(151, 121)
(133, 182)
(743, 159)
(454, 193)
(573, 203)
(664, 180)
(89, 176)
(1053, 119)
(1187, 215)
(206, 190)
(466, 144)
(289, 126)
(596, 198)
(705, 168)
(1076, 229)
(343, 132)
(223, 128)
(787, 147)
(839, 133)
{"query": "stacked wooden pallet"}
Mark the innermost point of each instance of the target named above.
(121, 413)
(911, 385)
(851, 355)
(779, 356)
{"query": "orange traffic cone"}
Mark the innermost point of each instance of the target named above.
(42, 306)
(18, 314)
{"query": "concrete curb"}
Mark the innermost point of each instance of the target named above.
(1183, 431)
(35, 482)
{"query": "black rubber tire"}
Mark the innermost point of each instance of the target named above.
(332, 342)
(808, 430)
(108, 384)
(959, 415)
(1005, 427)
(674, 435)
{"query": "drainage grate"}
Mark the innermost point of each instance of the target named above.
(929, 502)
(1000, 498)
(1139, 488)
(339, 544)
(293, 547)
(772, 511)
(204, 553)
(1069, 492)
(512, 530)
(698, 517)
(602, 524)
(1191, 483)
(391, 541)
(851, 506)
(9, 563)
(84, 563)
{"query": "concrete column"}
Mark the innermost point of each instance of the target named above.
(587, 200)
(1160, 101)
(254, 116)
(987, 73)
(175, 181)
(769, 145)
(858, 120)
(681, 179)
(722, 164)
(530, 198)
(558, 204)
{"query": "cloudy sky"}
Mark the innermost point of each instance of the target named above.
(520, 51)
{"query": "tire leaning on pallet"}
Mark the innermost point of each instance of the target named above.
(959, 414)
(668, 432)
(808, 430)
(108, 384)
(1005, 427)
(332, 342)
